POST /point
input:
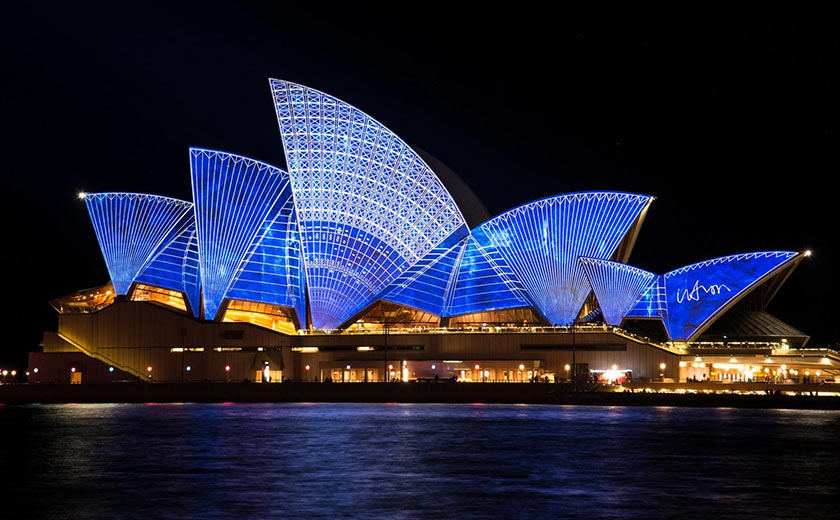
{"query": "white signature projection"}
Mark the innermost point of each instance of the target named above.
(698, 290)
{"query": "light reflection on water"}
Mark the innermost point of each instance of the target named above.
(413, 461)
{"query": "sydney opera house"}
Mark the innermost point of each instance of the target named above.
(368, 260)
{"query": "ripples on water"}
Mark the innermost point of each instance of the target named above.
(417, 461)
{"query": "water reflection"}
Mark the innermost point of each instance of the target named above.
(412, 461)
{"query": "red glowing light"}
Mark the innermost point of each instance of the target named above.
(149, 368)
(477, 366)
(307, 367)
(73, 369)
(227, 368)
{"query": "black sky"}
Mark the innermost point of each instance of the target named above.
(728, 115)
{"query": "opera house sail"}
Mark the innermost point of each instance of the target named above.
(358, 235)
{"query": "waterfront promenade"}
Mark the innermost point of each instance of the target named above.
(633, 394)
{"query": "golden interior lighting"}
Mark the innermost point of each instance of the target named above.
(150, 293)
(264, 315)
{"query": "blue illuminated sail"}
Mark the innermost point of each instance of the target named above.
(429, 283)
(273, 270)
(484, 281)
(542, 241)
(617, 286)
(368, 206)
(233, 197)
(651, 303)
(175, 266)
(699, 292)
(131, 228)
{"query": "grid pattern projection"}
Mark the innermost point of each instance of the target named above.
(233, 197)
(698, 292)
(652, 303)
(543, 240)
(368, 206)
(484, 282)
(130, 228)
(175, 267)
(428, 284)
(273, 271)
(617, 286)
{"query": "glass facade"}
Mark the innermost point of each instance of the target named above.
(264, 315)
(150, 293)
(85, 301)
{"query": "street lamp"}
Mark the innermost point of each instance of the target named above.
(662, 371)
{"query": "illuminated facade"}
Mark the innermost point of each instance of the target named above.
(359, 234)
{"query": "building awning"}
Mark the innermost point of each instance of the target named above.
(754, 326)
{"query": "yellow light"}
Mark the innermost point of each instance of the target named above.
(615, 367)
(521, 367)
(14, 373)
(768, 360)
(567, 367)
(364, 349)
(766, 370)
(683, 364)
(808, 252)
(698, 359)
(818, 373)
(661, 366)
(733, 360)
(783, 367)
(306, 350)
(825, 361)
(82, 195)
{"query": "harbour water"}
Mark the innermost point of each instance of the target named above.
(417, 461)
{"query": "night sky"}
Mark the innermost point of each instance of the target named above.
(729, 116)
